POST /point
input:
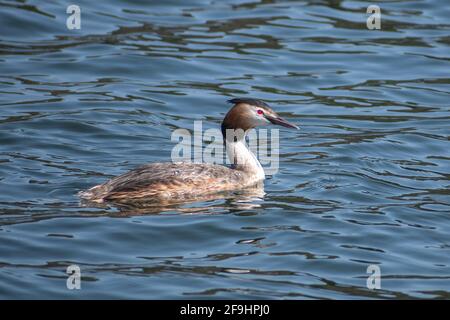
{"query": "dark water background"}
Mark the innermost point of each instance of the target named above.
(365, 181)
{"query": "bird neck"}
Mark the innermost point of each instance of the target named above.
(243, 159)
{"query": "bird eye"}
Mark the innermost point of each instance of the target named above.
(260, 111)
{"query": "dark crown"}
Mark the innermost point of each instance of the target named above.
(250, 101)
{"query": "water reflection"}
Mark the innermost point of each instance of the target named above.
(246, 199)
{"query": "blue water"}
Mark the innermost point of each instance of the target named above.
(364, 182)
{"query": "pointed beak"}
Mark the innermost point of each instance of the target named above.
(281, 122)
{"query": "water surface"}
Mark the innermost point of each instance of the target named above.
(364, 182)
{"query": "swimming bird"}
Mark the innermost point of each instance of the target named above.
(185, 180)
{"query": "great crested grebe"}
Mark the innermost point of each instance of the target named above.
(185, 180)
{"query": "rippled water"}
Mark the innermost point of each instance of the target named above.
(365, 181)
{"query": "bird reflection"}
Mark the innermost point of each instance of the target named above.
(244, 199)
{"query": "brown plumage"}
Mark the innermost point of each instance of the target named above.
(165, 181)
(185, 181)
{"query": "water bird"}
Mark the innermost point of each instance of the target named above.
(185, 180)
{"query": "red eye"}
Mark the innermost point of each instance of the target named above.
(260, 111)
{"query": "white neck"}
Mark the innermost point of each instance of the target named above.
(244, 159)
